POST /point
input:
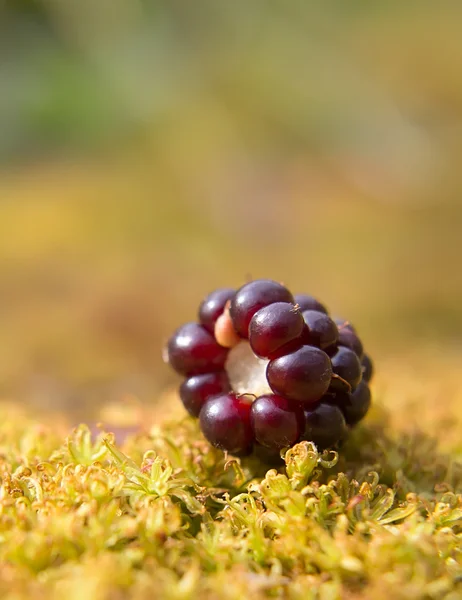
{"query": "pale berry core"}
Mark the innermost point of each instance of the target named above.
(246, 372)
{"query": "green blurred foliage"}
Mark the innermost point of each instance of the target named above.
(153, 150)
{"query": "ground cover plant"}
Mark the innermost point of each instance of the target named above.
(162, 514)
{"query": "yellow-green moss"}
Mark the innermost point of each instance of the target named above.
(165, 516)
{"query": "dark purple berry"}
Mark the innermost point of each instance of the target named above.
(354, 406)
(343, 324)
(192, 350)
(368, 367)
(346, 365)
(349, 338)
(276, 421)
(253, 296)
(213, 306)
(274, 326)
(225, 422)
(196, 390)
(303, 375)
(316, 370)
(324, 426)
(321, 331)
(306, 302)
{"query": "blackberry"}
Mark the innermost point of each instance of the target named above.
(264, 369)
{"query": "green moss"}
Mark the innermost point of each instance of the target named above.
(166, 516)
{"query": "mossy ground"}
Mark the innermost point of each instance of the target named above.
(162, 515)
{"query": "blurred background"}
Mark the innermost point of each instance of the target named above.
(151, 151)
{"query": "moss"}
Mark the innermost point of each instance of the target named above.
(165, 516)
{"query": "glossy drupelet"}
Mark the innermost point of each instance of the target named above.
(276, 422)
(303, 375)
(346, 366)
(253, 296)
(225, 422)
(348, 338)
(320, 330)
(192, 350)
(325, 425)
(213, 306)
(196, 390)
(353, 405)
(273, 327)
(306, 302)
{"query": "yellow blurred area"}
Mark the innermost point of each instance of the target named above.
(154, 151)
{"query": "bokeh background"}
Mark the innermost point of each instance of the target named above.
(151, 151)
